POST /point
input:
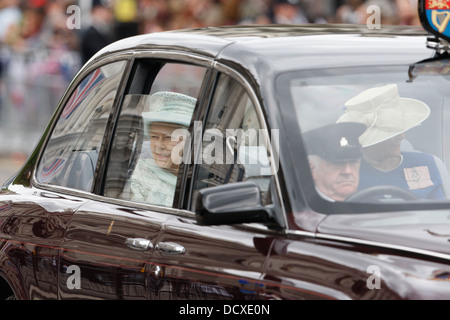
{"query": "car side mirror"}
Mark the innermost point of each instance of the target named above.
(232, 204)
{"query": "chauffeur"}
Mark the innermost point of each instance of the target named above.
(334, 154)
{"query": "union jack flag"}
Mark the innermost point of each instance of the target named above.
(82, 91)
(48, 172)
(4, 207)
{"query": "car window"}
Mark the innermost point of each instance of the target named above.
(234, 145)
(151, 132)
(71, 154)
(399, 156)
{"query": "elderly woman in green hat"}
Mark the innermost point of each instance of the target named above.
(154, 179)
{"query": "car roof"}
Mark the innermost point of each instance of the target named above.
(317, 45)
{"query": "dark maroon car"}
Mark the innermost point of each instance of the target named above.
(105, 209)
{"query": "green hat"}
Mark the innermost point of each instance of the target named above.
(170, 107)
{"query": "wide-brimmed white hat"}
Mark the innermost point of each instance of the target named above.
(170, 107)
(384, 113)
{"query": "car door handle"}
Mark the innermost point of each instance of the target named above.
(138, 243)
(170, 248)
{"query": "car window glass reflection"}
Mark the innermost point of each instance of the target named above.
(234, 147)
(71, 154)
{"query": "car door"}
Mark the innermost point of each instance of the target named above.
(107, 252)
(37, 223)
(108, 247)
(219, 262)
(32, 233)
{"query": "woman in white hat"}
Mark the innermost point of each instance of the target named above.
(387, 117)
(154, 179)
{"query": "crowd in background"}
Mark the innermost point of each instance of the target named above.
(36, 24)
(42, 46)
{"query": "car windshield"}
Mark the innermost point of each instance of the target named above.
(375, 134)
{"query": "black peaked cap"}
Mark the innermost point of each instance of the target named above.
(335, 142)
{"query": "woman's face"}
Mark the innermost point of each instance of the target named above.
(386, 149)
(162, 146)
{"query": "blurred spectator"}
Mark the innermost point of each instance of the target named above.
(100, 33)
(388, 11)
(39, 47)
(288, 12)
(56, 32)
(227, 12)
(197, 13)
(126, 18)
(320, 11)
(27, 32)
(407, 12)
(10, 16)
(255, 12)
(352, 11)
(62, 43)
(32, 22)
(153, 15)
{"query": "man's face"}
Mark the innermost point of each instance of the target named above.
(161, 144)
(336, 180)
